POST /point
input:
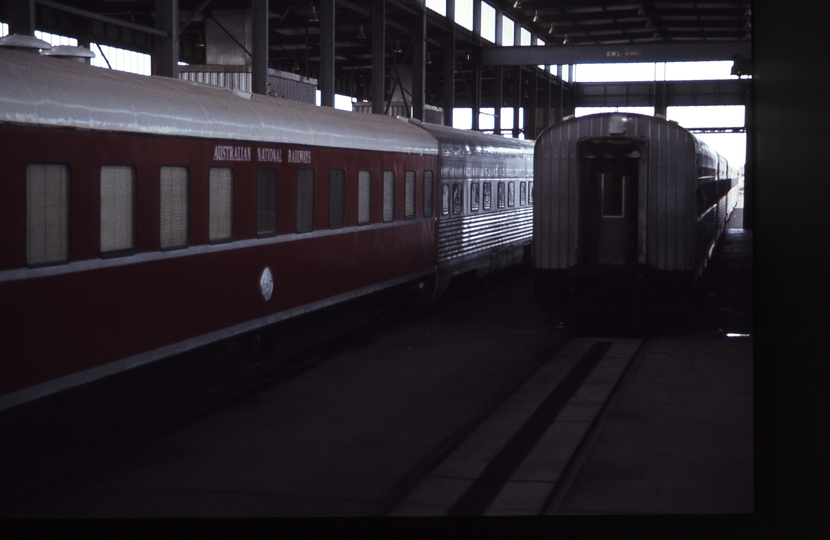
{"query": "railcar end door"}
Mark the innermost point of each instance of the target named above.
(611, 171)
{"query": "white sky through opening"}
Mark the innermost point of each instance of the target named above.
(731, 145)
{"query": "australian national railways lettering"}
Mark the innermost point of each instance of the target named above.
(270, 155)
(299, 156)
(232, 153)
(263, 155)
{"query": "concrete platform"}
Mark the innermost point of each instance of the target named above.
(666, 431)
(679, 439)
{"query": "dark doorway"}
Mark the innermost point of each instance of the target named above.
(610, 177)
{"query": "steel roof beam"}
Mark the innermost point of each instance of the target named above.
(105, 19)
(661, 94)
(602, 54)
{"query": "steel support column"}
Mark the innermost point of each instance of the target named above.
(569, 99)
(327, 53)
(660, 98)
(476, 104)
(517, 85)
(21, 17)
(749, 168)
(378, 56)
(532, 110)
(532, 102)
(449, 66)
(419, 62)
(498, 77)
(259, 46)
(165, 59)
(546, 114)
(560, 91)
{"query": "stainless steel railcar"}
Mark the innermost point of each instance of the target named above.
(142, 217)
(485, 222)
(625, 205)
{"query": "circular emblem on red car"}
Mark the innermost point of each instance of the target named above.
(266, 284)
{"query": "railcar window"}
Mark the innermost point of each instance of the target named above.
(266, 202)
(488, 195)
(457, 199)
(47, 213)
(364, 197)
(475, 196)
(445, 199)
(522, 193)
(501, 196)
(409, 195)
(388, 195)
(174, 207)
(220, 215)
(427, 193)
(117, 209)
(511, 194)
(337, 198)
(305, 200)
(530, 194)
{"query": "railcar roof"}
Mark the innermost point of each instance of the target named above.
(701, 148)
(52, 92)
(473, 142)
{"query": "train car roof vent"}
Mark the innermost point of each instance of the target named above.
(242, 93)
(68, 52)
(22, 42)
(618, 124)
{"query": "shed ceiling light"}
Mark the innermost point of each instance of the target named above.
(550, 32)
(517, 4)
(565, 41)
(314, 17)
(360, 34)
(641, 12)
(536, 16)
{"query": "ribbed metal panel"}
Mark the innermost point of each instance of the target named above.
(282, 84)
(464, 235)
(470, 157)
(666, 205)
(670, 186)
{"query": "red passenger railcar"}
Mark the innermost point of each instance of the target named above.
(143, 217)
